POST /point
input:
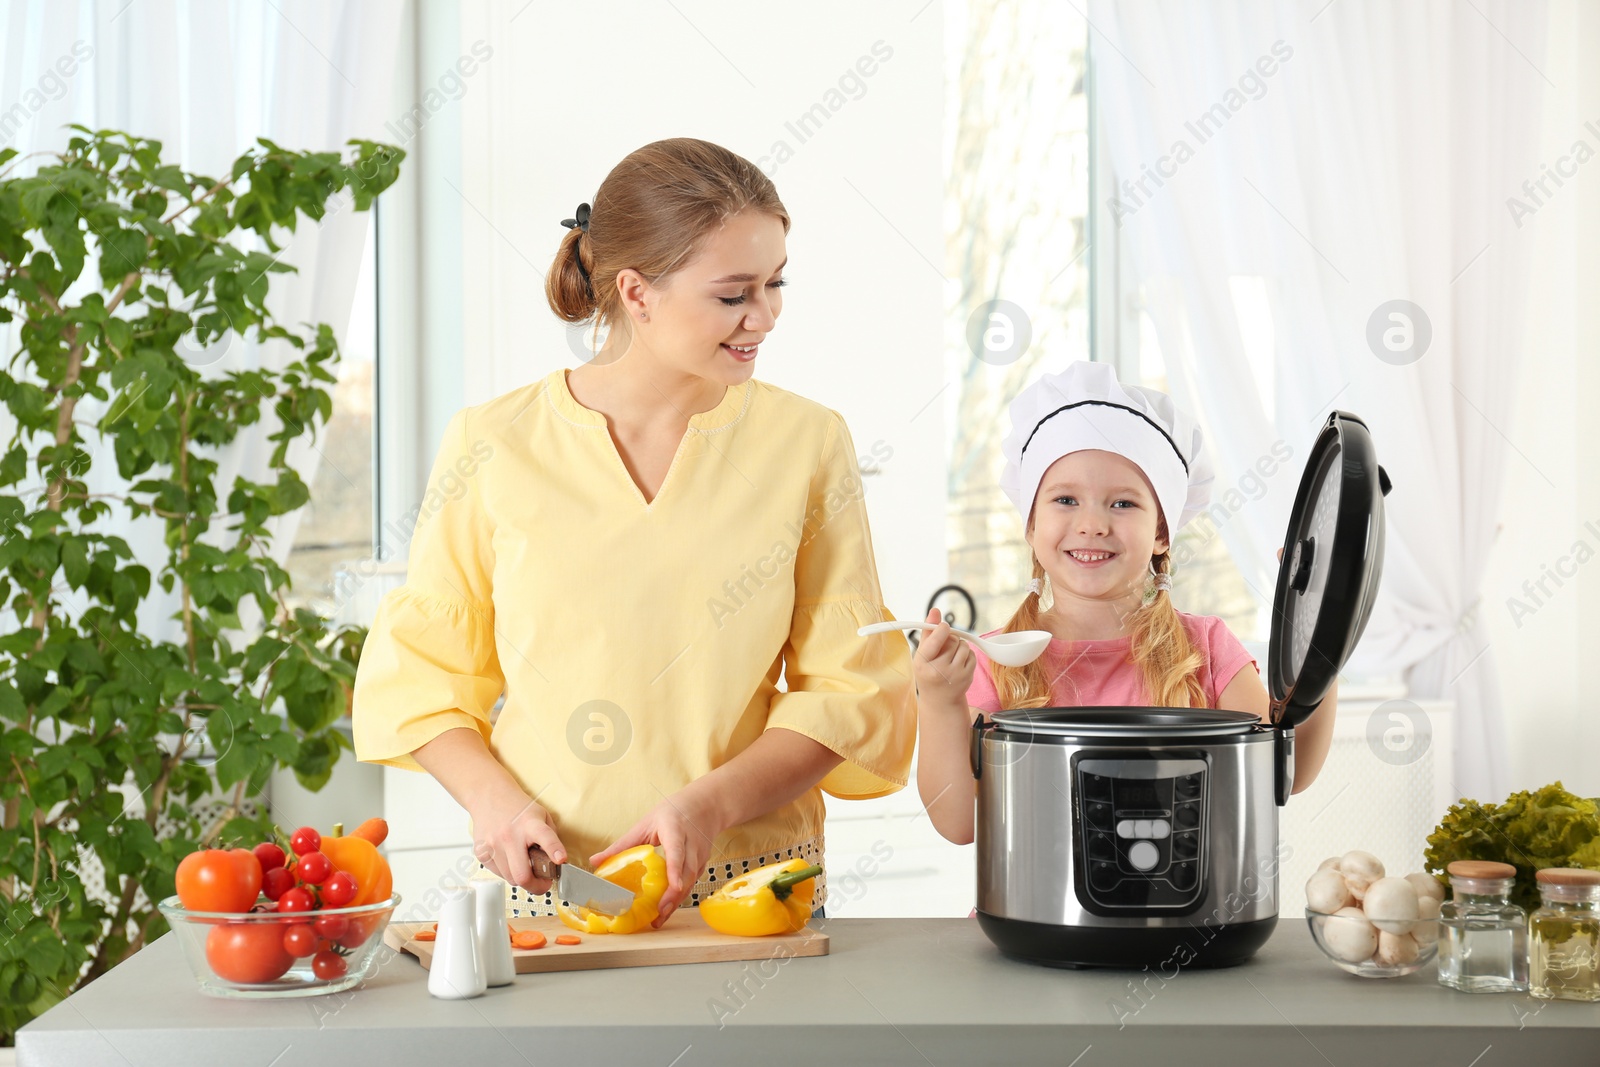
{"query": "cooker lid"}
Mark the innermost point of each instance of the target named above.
(1332, 561)
(1124, 722)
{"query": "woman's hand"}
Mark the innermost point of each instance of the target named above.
(685, 827)
(944, 664)
(506, 824)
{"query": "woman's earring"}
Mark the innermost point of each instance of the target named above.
(1047, 595)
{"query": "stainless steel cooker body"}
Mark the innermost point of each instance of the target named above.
(1101, 845)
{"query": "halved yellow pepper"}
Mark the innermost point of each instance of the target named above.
(640, 869)
(774, 899)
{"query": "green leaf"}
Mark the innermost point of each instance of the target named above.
(75, 561)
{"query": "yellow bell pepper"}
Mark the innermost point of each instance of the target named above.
(640, 869)
(774, 899)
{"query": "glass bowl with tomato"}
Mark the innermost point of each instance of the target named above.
(278, 954)
(283, 922)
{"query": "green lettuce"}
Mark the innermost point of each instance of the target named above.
(1547, 827)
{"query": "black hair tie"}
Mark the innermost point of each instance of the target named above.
(582, 223)
(582, 220)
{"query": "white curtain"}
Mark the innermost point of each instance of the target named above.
(206, 78)
(1364, 154)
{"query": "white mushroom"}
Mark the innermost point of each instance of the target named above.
(1327, 893)
(1395, 950)
(1391, 904)
(1426, 930)
(1360, 869)
(1348, 936)
(1330, 862)
(1427, 886)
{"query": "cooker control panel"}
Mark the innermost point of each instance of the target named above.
(1141, 833)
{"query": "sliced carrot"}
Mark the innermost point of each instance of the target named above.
(424, 935)
(435, 928)
(527, 939)
(569, 939)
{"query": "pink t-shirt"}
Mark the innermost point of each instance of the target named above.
(1100, 674)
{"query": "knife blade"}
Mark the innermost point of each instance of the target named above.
(577, 886)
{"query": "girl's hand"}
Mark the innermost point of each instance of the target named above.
(685, 830)
(505, 826)
(944, 664)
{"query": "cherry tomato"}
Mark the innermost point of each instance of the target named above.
(331, 927)
(297, 899)
(248, 952)
(214, 880)
(313, 868)
(300, 941)
(361, 928)
(339, 890)
(276, 881)
(270, 856)
(328, 965)
(306, 839)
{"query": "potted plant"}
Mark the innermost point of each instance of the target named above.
(113, 263)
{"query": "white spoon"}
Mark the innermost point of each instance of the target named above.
(1009, 650)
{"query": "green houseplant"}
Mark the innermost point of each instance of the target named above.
(114, 265)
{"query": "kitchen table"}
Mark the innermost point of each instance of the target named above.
(892, 991)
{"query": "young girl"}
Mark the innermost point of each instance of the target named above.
(1104, 476)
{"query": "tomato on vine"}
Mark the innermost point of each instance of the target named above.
(306, 839)
(339, 890)
(313, 868)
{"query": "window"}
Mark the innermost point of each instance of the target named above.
(1017, 207)
(337, 524)
(1022, 160)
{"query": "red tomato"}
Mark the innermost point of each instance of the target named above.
(249, 868)
(331, 927)
(300, 941)
(306, 839)
(328, 965)
(297, 899)
(276, 882)
(361, 928)
(313, 868)
(339, 890)
(215, 880)
(270, 856)
(248, 953)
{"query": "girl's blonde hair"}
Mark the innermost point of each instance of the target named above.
(1161, 649)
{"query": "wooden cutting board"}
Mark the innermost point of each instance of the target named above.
(685, 939)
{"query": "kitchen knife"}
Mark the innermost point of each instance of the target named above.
(577, 886)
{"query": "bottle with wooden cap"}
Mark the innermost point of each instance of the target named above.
(1483, 937)
(1565, 935)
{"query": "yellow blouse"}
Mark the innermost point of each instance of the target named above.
(639, 646)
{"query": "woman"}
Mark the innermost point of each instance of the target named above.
(635, 552)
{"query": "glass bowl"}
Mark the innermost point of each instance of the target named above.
(1342, 936)
(244, 955)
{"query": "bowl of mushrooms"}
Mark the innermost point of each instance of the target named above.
(1369, 923)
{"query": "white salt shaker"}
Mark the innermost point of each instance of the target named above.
(494, 940)
(457, 971)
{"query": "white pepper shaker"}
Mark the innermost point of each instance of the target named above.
(494, 940)
(457, 971)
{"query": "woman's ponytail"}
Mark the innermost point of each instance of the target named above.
(567, 285)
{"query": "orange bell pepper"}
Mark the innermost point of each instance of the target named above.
(357, 855)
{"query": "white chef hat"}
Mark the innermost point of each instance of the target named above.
(1085, 407)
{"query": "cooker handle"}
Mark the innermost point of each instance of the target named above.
(1283, 757)
(975, 750)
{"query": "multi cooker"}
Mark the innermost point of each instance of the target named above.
(1148, 837)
